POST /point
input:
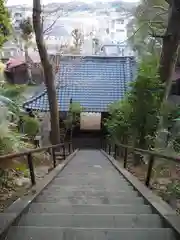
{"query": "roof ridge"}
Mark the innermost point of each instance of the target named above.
(94, 56)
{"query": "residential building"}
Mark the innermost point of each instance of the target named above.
(122, 50)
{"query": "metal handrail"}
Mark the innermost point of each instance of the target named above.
(29, 156)
(107, 146)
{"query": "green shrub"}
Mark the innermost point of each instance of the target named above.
(31, 126)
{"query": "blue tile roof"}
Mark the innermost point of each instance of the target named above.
(94, 82)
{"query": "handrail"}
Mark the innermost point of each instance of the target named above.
(29, 153)
(152, 154)
(35, 150)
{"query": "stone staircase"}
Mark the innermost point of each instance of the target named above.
(89, 200)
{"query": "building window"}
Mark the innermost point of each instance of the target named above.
(120, 21)
(120, 30)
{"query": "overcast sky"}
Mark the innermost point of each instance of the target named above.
(29, 2)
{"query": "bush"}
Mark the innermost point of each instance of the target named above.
(136, 117)
(30, 126)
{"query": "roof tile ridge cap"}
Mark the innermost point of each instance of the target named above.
(35, 97)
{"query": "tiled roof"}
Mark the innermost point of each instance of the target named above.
(93, 81)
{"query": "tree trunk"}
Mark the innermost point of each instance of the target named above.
(170, 46)
(168, 57)
(29, 74)
(48, 72)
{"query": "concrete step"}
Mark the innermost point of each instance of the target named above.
(87, 193)
(55, 187)
(87, 174)
(89, 209)
(90, 200)
(91, 221)
(56, 233)
(92, 180)
(96, 177)
(86, 184)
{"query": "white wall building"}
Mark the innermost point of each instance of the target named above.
(117, 27)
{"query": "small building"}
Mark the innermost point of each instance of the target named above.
(16, 70)
(121, 50)
(92, 81)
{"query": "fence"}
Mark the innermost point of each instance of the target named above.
(107, 147)
(29, 155)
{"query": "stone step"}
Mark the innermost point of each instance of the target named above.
(87, 174)
(86, 187)
(56, 233)
(87, 180)
(91, 221)
(54, 186)
(90, 200)
(96, 177)
(89, 209)
(87, 193)
(86, 183)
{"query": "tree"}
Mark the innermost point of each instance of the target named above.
(5, 24)
(149, 18)
(156, 28)
(133, 120)
(27, 34)
(77, 38)
(170, 46)
(48, 72)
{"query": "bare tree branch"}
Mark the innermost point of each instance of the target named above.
(51, 26)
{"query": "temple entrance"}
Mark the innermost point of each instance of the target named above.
(89, 134)
(90, 121)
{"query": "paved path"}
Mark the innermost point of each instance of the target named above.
(89, 199)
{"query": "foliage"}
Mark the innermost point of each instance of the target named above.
(173, 189)
(10, 96)
(9, 137)
(5, 24)
(30, 126)
(12, 91)
(118, 123)
(77, 37)
(27, 29)
(145, 98)
(27, 34)
(136, 117)
(171, 125)
(149, 19)
(73, 116)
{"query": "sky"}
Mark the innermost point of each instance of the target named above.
(29, 2)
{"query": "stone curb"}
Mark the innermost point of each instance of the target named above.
(168, 215)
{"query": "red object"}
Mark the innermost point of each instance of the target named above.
(11, 63)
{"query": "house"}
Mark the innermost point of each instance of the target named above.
(122, 50)
(93, 81)
(16, 70)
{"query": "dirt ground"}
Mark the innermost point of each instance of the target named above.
(15, 182)
(165, 181)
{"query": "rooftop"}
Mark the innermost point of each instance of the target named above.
(93, 81)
